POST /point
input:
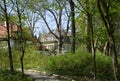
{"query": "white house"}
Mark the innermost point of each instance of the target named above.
(51, 42)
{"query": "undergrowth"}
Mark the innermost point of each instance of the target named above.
(78, 64)
(5, 75)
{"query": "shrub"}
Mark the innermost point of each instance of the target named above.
(69, 64)
(5, 75)
(80, 64)
(4, 60)
(31, 58)
(104, 66)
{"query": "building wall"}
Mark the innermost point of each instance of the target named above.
(49, 45)
(51, 42)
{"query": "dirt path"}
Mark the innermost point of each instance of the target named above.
(38, 76)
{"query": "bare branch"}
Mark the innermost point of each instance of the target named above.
(53, 16)
(47, 24)
(2, 8)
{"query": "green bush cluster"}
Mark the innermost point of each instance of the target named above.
(5, 75)
(80, 64)
(104, 66)
(4, 61)
(68, 64)
(32, 58)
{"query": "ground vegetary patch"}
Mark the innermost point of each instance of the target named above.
(80, 64)
(7, 76)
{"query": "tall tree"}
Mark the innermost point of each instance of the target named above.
(87, 7)
(19, 9)
(105, 7)
(55, 9)
(72, 6)
(5, 10)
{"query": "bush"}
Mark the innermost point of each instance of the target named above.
(104, 66)
(5, 75)
(70, 64)
(79, 64)
(32, 58)
(4, 60)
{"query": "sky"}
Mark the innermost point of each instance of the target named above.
(42, 28)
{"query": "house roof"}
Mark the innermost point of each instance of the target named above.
(49, 37)
(3, 29)
(57, 33)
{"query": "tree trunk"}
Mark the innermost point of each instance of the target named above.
(88, 32)
(9, 47)
(92, 42)
(106, 49)
(21, 38)
(114, 56)
(72, 24)
(104, 8)
(59, 45)
(21, 61)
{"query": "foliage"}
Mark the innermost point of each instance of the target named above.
(4, 63)
(80, 64)
(5, 75)
(104, 66)
(58, 11)
(31, 60)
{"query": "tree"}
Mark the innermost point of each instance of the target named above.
(31, 20)
(72, 6)
(19, 9)
(55, 9)
(105, 7)
(6, 14)
(88, 10)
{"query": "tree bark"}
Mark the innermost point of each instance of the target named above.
(114, 56)
(21, 39)
(60, 46)
(92, 42)
(72, 6)
(9, 47)
(21, 61)
(88, 32)
(106, 49)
